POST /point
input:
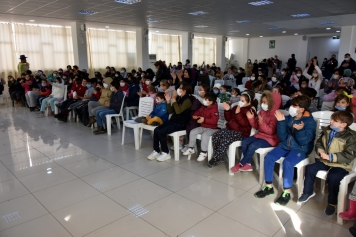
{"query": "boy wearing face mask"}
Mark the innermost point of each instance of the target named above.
(296, 133)
(223, 96)
(336, 148)
(216, 89)
(159, 115)
(45, 91)
(207, 116)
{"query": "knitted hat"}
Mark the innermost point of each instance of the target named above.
(217, 85)
(348, 81)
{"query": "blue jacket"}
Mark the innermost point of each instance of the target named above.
(161, 111)
(297, 140)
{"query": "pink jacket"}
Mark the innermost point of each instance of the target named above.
(294, 79)
(331, 96)
(267, 128)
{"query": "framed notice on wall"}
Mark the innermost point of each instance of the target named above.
(272, 44)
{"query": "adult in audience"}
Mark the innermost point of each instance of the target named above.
(203, 77)
(316, 78)
(333, 83)
(348, 63)
(248, 68)
(51, 77)
(132, 98)
(292, 62)
(240, 75)
(162, 72)
(123, 72)
(331, 64)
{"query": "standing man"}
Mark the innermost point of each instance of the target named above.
(23, 66)
(348, 63)
(330, 66)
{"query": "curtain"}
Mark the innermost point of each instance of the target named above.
(8, 58)
(48, 48)
(227, 49)
(204, 49)
(111, 48)
(166, 47)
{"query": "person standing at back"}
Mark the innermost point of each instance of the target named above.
(291, 63)
(23, 66)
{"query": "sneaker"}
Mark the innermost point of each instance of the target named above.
(264, 192)
(153, 155)
(283, 199)
(330, 209)
(189, 151)
(202, 156)
(236, 168)
(304, 198)
(40, 112)
(184, 148)
(164, 156)
(246, 167)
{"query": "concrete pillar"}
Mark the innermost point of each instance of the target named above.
(347, 42)
(79, 40)
(187, 46)
(142, 59)
(220, 51)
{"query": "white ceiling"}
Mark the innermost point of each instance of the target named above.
(173, 14)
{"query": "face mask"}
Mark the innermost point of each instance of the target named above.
(205, 103)
(200, 93)
(201, 72)
(264, 106)
(44, 84)
(315, 75)
(274, 79)
(239, 71)
(88, 85)
(336, 76)
(241, 104)
(105, 85)
(122, 71)
(249, 61)
(116, 75)
(147, 82)
(222, 92)
(298, 74)
(252, 78)
(64, 77)
(283, 73)
(336, 129)
(303, 86)
(112, 89)
(216, 92)
(179, 92)
(122, 84)
(54, 75)
(158, 101)
(233, 95)
(340, 108)
(293, 111)
(347, 59)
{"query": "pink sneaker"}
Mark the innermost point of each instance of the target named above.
(236, 168)
(246, 167)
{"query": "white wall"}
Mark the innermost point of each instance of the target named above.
(347, 42)
(323, 47)
(239, 48)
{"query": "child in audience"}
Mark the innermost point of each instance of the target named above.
(294, 80)
(249, 82)
(216, 89)
(223, 96)
(57, 94)
(344, 83)
(235, 96)
(311, 93)
(343, 102)
(159, 115)
(336, 148)
(293, 94)
(303, 83)
(274, 81)
(264, 85)
(266, 124)
(237, 126)
(124, 86)
(165, 87)
(45, 90)
(152, 92)
(296, 133)
(207, 116)
(316, 78)
(277, 89)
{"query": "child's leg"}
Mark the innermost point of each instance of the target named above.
(335, 175)
(51, 102)
(310, 174)
(291, 159)
(249, 146)
(269, 162)
(193, 136)
(205, 136)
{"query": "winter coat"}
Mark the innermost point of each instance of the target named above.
(161, 111)
(116, 100)
(58, 90)
(180, 110)
(132, 98)
(210, 115)
(105, 92)
(239, 122)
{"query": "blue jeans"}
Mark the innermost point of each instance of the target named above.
(249, 145)
(291, 159)
(100, 115)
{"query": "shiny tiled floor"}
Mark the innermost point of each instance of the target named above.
(60, 180)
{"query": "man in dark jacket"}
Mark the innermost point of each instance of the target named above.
(291, 63)
(331, 64)
(348, 63)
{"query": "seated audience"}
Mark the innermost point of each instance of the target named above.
(223, 95)
(159, 115)
(57, 94)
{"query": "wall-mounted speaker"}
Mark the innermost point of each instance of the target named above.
(83, 27)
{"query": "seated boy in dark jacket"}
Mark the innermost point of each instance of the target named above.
(159, 115)
(336, 148)
(296, 133)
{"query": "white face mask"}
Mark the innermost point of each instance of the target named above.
(64, 77)
(122, 84)
(201, 72)
(122, 71)
(347, 59)
(147, 82)
(274, 79)
(205, 103)
(105, 85)
(336, 76)
(264, 106)
(179, 92)
(241, 104)
(292, 111)
(112, 89)
(116, 75)
(158, 101)
(239, 71)
(315, 75)
(283, 73)
(233, 95)
(298, 74)
(54, 75)
(252, 78)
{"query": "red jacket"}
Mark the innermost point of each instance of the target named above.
(45, 90)
(267, 128)
(80, 90)
(239, 122)
(210, 115)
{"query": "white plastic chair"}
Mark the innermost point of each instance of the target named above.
(221, 82)
(242, 88)
(175, 137)
(65, 97)
(196, 88)
(145, 108)
(4, 99)
(116, 116)
(324, 117)
(244, 80)
(285, 99)
(130, 111)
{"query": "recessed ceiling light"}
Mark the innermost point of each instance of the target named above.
(247, 34)
(31, 20)
(326, 23)
(261, 36)
(338, 31)
(300, 15)
(234, 31)
(157, 31)
(243, 21)
(107, 27)
(127, 1)
(284, 32)
(200, 26)
(296, 34)
(152, 21)
(275, 28)
(328, 28)
(85, 12)
(198, 13)
(260, 3)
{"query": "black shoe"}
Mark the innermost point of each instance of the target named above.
(32, 109)
(63, 119)
(353, 231)
(330, 210)
(265, 191)
(212, 163)
(100, 130)
(283, 199)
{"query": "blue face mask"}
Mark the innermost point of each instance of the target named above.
(88, 85)
(216, 92)
(221, 92)
(340, 108)
(336, 129)
(44, 84)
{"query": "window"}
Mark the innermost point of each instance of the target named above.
(204, 49)
(166, 47)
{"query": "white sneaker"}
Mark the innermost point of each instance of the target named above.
(164, 156)
(180, 147)
(202, 156)
(153, 155)
(184, 148)
(189, 151)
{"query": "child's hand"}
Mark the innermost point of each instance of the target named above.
(299, 126)
(279, 116)
(324, 156)
(260, 118)
(249, 115)
(226, 106)
(107, 104)
(167, 96)
(201, 120)
(195, 117)
(238, 109)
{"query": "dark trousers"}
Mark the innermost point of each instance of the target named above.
(160, 135)
(65, 104)
(335, 175)
(16, 95)
(249, 145)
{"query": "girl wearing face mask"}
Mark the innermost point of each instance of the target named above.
(145, 84)
(333, 83)
(274, 80)
(316, 78)
(343, 102)
(248, 68)
(123, 72)
(179, 106)
(248, 84)
(237, 128)
(294, 80)
(266, 125)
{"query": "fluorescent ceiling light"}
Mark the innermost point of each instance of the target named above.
(301, 15)
(296, 34)
(275, 28)
(284, 32)
(127, 1)
(85, 12)
(198, 13)
(152, 21)
(157, 31)
(107, 27)
(326, 23)
(243, 21)
(261, 36)
(200, 26)
(247, 34)
(338, 31)
(260, 3)
(234, 31)
(31, 20)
